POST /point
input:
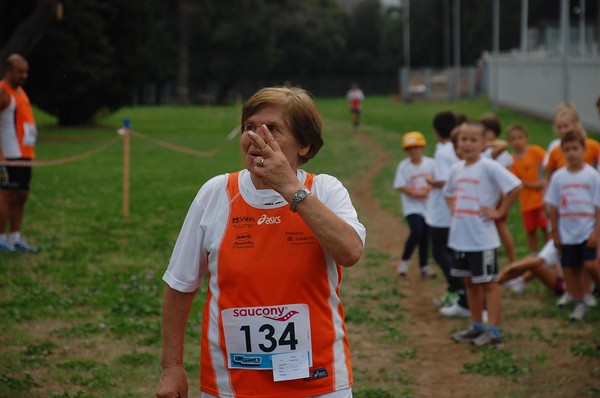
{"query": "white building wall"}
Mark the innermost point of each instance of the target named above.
(533, 83)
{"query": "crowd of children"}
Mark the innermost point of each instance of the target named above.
(459, 201)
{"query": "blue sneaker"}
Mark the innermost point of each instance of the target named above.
(25, 248)
(6, 247)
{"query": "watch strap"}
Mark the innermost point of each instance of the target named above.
(299, 196)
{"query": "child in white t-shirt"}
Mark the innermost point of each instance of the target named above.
(496, 149)
(454, 302)
(411, 178)
(574, 198)
(473, 190)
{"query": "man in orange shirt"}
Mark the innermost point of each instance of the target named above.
(18, 135)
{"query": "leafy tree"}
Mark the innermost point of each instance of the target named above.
(23, 24)
(232, 40)
(364, 38)
(93, 60)
(310, 38)
(262, 40)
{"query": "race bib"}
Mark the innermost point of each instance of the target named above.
(254, 335)
(30, 134)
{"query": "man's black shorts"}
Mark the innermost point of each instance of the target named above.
(15, 177)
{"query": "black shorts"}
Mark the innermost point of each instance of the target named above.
(15, 177)
(481, 267)
(574, 256)
(355, 110)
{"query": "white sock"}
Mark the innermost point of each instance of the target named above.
(14, 237)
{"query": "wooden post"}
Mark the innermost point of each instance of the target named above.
(126, 166)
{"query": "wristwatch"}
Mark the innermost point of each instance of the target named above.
(299, 196)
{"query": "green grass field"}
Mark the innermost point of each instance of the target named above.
(82, 317)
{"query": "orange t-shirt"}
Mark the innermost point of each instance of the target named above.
(529, 169)
(556, 160)
(264, 280)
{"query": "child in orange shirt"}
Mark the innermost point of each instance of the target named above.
(528, 167)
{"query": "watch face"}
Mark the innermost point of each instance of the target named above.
(302, 194)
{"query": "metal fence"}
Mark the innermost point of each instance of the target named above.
(535, 82)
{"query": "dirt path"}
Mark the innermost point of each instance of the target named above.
(436, 370)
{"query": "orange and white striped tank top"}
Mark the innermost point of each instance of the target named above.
(271, 291)
(18, 132)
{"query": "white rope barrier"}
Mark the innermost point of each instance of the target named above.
(56, 162)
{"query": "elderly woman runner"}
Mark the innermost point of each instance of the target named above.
(272, 240)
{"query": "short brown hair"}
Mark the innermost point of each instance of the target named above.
(299, 111)
(492, 122)
(518, 127)
(573, 136)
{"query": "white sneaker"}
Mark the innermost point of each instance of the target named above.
(578, 312)
(590, 300)
(427, 272)
(515, 285)
(455, 311)
(565, 299)
(402, 269)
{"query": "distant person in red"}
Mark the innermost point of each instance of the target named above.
(18, 135)
(355, 97)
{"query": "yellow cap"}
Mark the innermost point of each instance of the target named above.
(414, 138)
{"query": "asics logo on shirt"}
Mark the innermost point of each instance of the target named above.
(269, 220)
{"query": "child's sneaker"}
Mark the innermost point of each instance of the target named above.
(427, 272)
(6, 247)
(466, 336)
(488, 338)
(447, 299)
(455, 311)
(402, 269)
(578, 313)
(21, 246)
(515, 285)
(565, 299)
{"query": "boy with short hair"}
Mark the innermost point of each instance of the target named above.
(454, 302)
(411, 180)
(472, 192)
(574, 198)
(528, 167)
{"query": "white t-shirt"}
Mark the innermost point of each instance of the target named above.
(554, 143)
(437, 213)
(355, 94)
(474, 186)
(410, 175)
(189, 261)
(576, 197)
(504, 158)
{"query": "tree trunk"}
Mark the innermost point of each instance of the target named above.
(30, 31)
(183, 67)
